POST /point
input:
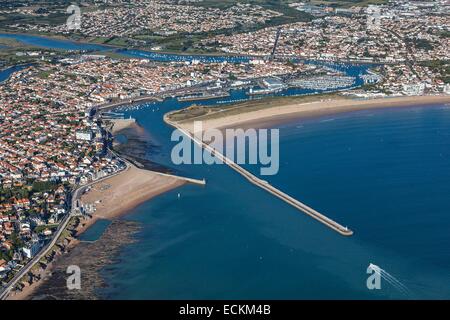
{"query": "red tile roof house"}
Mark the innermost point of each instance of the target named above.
(3, 264)
(7, 245)
(8, 227)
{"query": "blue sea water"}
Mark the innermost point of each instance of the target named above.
(384, 173)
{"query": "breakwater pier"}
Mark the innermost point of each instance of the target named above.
(267, 186)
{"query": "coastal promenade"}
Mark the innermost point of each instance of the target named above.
(267, 186)
(201, 182)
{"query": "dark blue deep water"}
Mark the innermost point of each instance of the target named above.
(384, 173)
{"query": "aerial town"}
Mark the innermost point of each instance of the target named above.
(50, 104)
(56, 100)
(158, 16)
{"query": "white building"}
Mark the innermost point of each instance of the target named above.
(31, 250)
(84, 135)
(413, 89)
(447, 88)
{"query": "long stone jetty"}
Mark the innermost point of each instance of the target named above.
(267, 186)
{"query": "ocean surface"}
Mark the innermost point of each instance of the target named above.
(384, 173)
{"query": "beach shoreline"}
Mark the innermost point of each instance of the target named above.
(113, 197)
(276, 115)
(117, 196)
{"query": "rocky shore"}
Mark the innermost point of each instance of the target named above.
(90, 257)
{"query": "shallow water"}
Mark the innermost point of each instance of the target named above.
(94, 232)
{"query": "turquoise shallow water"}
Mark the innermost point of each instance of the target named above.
(384, 173)
(95, 231)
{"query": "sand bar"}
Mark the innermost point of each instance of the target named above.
(121, 124)
(273, 115)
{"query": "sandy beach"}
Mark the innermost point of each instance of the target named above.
(273, 115)
(121, 124)
(120, 194)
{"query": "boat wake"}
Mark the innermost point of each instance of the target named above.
(390, 279)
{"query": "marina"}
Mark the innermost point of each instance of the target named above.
(324, 82)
